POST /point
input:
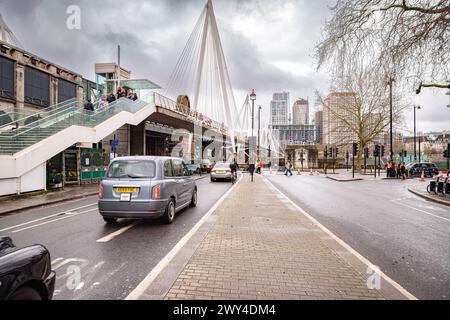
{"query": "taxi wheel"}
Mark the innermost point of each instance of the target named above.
(169, 215)
(110, 220)
(194, 199)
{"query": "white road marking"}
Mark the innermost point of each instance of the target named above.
(140, 289)
(54, 220)
(347, 247)
(83, 262)
(423, 211)
(56, 261)
(117, 233)
(47, 217)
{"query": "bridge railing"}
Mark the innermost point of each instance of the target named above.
(167, 103)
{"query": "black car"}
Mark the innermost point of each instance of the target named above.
(25, 274)
(429, 169)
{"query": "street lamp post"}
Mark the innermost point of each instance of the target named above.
(253, 98)
(259, 129)
(251, 142)
(420, 153)
(391, 80)
(415, 135)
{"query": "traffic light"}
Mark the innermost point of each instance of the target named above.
(405, 154)
(336, 152)
(366, 152)
(382, 151)
(376, 152)
(325, 152)
(166, 145)
(355, 148)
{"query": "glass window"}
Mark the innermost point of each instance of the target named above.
(222, 165)
(6, 78)
(37, 87)
(178, 169)
(132, 169)
(66, 90)
(168, 169)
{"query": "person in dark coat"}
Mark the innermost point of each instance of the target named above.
(89, 106)
(111, 98)
(251, 169)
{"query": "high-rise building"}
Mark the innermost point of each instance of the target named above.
(279, 109)
(300, 112)
(318, 122)
(335, 130)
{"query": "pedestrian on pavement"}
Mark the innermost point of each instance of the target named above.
(403, 170)
(233, 168)
(399, 170)
(288, 169)
(251, 169)
(388, 169)
(258, 168)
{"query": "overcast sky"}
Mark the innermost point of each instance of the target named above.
(268, 44)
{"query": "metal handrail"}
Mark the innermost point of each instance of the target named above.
(170, 104)
(44, 120)
(55, 108)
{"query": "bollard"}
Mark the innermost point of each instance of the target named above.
(422, 177)
(311, 172)
(298, 172)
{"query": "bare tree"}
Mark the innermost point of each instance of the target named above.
(407, 40)
(358, 108)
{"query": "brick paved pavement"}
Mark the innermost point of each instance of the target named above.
(261, 247)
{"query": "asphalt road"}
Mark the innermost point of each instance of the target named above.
(109, 270)
(404, 235)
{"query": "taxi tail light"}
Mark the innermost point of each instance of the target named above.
(100, 191)
(156, 192)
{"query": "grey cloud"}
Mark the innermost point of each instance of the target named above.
(153, 34)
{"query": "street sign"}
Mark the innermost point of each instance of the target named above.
(114, 145)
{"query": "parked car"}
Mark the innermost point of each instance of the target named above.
(206, 165)
(193, 168)
(146, 188)
(429, 169)
(221, 170)
(25, 273)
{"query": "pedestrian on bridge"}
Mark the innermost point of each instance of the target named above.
(111, 98)
(89, 106)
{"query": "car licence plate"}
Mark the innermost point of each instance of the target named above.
(221, 172)
(126, 190)
(125, 197)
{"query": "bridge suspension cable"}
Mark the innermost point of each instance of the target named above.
(201, 73)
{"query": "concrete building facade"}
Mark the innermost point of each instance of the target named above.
(300, 112)
(318, 123)
(30, 82)
(335, 131)
(279, 109)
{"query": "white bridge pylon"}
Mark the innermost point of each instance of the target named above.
(201, 73)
